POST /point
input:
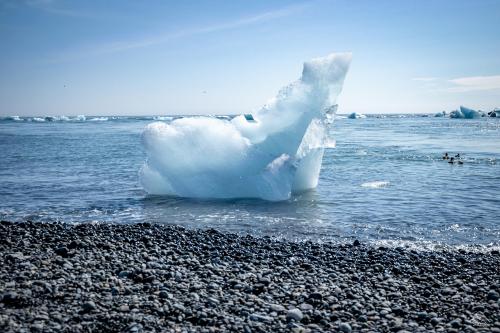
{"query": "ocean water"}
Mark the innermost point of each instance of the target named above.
(384, 183)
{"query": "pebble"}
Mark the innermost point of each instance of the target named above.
(62, 251)
(492, 295)
(306, 307)
(295, 314)
(345, 327)
(10, 297)
(258, 317)
(124, 308)
(88, 306)
(276, 308)
(316, 296)
(152, 278)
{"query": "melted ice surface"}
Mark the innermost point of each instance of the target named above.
(276, 153)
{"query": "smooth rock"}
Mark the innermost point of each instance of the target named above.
(345, 327)
(295, 314)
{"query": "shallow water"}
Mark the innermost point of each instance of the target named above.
(384, 183)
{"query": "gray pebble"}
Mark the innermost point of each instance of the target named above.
(295, 314)
(88, 306)
(345, 327)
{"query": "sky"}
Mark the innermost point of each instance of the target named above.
(229, 57)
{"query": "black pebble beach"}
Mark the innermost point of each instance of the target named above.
(58, 277)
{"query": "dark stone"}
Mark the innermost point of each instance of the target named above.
(398, 311)
(73, 245)
(88, 306)
(435, 321)
(123, 274)
(422, 316)
(148, 279)
(11, 298)
(316, 296)
(455, 323)
(61, 251)
(492, 296)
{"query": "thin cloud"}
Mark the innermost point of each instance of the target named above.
(475, 83)
(118, 46)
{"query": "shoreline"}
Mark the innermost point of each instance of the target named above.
(153, 277)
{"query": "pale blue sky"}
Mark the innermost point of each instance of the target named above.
(227, 57)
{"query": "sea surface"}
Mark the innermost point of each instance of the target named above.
(384, 183)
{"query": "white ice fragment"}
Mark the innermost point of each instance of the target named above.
(377, 184)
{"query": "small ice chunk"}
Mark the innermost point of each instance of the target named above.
(376, 184)
(356, 115)
(250, 118)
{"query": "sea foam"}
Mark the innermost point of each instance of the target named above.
(269, 154)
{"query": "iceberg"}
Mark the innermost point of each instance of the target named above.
(356, 115)
(268, 154)
(495, 113)
(440, 114)
(13, 118)
(465, 113)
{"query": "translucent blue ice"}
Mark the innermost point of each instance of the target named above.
(465, 113)
(269, 154)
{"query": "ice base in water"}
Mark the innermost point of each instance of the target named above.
(269, 154)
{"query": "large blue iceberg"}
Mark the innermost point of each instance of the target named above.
(270, 154)
(465, 113)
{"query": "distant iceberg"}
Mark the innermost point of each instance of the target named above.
(13, 118)
(440, 114)
(465, 113)
(277, 152)
(355, 115)
(163, 118)
(495, 113)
